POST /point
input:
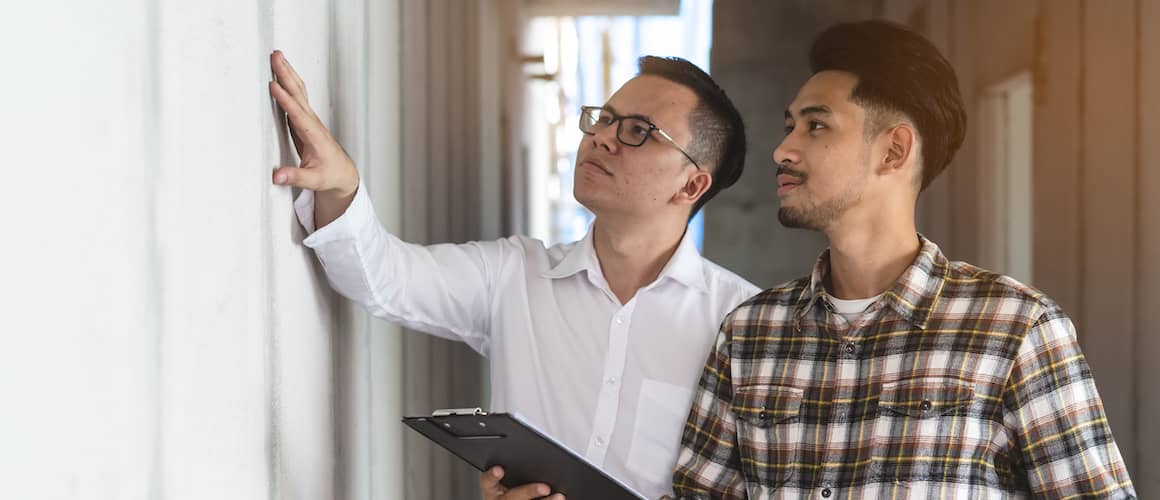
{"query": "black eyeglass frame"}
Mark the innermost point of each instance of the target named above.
(619, 121)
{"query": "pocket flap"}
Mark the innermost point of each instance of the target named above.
(926, 397)
(765, 405)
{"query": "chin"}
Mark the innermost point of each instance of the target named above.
(795, 219)
(586, 200)
(581, 197)
(587, 204)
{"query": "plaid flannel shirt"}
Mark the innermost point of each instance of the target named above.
(957, 383)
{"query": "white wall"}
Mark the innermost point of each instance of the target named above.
(163, 334)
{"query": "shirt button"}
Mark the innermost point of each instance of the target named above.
(619, 320)
(600, 442)
(925, 406)
(850, 348)
(826, 493)
(611, 380)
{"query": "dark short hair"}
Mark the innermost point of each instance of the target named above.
(899, 72)
(718, 133)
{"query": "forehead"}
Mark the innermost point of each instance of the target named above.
(665, 103)
(831, 89)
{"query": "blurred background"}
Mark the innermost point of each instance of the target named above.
(164, 335)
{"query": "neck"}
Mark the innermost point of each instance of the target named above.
(633, 253)
(867, 256)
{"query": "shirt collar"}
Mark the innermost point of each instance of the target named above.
(915, 294)
(578, 257)
(685, 266)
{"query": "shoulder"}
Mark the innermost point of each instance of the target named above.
(990, 294)
(731, 288)
(773, 302)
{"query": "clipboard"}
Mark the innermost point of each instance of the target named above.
(526, 454)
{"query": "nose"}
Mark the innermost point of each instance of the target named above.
(605, 138)
(787, 152)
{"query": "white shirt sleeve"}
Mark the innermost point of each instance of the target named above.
(444, 290)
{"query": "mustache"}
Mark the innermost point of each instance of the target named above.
(782, 169)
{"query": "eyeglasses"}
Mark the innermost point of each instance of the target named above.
(630, 130)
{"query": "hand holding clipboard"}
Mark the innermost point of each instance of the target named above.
(526, 454)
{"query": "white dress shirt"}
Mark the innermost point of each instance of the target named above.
(612, 381)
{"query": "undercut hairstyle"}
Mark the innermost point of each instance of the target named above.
(900, 75)
(718, 132)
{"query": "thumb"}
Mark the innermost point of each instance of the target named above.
(489, 482)
(298, 177)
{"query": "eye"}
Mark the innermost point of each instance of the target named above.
(605, 119)
(638, 130)
(816, 125)
(788, 128)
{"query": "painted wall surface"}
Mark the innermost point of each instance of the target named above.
(163, 333)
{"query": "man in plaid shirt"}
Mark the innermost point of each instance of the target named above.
(890, 372)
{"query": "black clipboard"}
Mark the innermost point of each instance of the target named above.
(526, 454)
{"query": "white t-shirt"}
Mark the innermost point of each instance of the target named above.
(613, 382)
(852, 309)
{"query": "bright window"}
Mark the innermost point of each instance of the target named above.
(591, 57)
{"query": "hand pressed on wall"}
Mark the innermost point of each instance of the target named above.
(325, 168)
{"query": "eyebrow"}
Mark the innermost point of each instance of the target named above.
(809, 110)
(646, 118)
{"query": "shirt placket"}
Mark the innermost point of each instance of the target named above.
(608, 400)
(851, 337)
(845, 368)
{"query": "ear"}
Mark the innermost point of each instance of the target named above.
(694, 188)
(901, 146)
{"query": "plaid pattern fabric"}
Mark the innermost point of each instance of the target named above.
(957, 383)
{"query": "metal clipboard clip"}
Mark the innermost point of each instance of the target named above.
(451, 412)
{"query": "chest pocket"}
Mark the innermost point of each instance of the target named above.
(925, 398)
(769, 431)
(921, 416)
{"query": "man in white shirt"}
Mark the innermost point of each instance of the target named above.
(599, 342)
